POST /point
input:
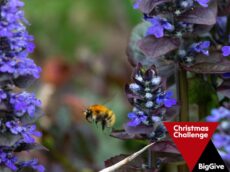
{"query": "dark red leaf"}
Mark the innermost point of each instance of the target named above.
(169, 158)
(201, 29)
(212, 64)
(134, 166)
(155, 47)
(224, 11)
(201, 15)
(146, 6)
(136, 163)
(140, 129)
(165, 146)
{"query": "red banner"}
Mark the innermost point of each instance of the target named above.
(191, 138)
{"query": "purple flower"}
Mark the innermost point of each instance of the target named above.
(136, 4)
(29, 132)
(8, 159)
(24, 103)
(136, 118)
(187, 4)
(14, 127)
(218, 114)
(226, 50)
(203, 3)
(226, 75)
(221, 138)
(158, 25)
(166, 99)
(201, 47)
(16, 43)
(222, 142)
(3, 95)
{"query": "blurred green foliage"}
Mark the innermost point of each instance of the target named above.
(62, 27)
(59, 26)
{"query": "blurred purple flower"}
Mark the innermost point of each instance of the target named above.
(203, 3)
(8, 159)
(3, 95)
(33, 164)
(29, 132)
(16, 43)
(218, 114)
(226, 75)
(201, 47)
(136, 119)
(14, 127)
(158, 25)
(221, 138)
(226, 50)
(136, 4)
(166, 99)
(24, 103)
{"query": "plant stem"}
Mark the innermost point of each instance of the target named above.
(182, 168)
(182, 92)
(149, 158)
(202, 110)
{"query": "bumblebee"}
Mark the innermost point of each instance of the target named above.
(100, 114)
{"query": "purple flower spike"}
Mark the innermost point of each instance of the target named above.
(16, 70)
(226, 50)
(149, 99)
(158, 26)
(203, 3)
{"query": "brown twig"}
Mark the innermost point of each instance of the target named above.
(126, 160)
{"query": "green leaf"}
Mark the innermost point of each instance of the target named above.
(203, 94)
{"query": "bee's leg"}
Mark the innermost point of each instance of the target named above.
(103, 124)
(98, 119)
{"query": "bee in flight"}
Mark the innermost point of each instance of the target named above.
(100, 114)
